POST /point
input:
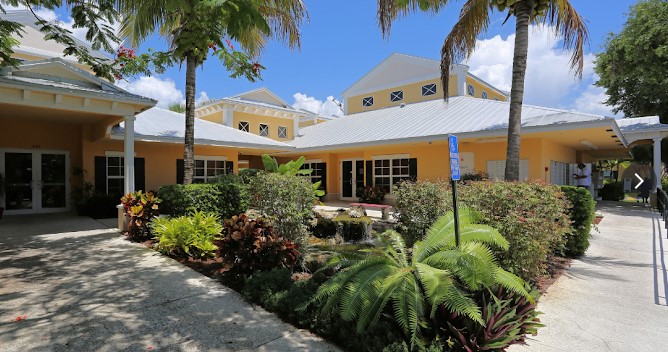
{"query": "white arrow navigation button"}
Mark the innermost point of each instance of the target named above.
(641, 180)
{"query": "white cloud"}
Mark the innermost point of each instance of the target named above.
(162, 90)
(202, 98)
(326, 108)
(591, 101)
(549, 80)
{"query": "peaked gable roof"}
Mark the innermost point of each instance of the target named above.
(262, 95)
(398, 69)
(32, 41)
(467, 117)
(161, 125)
(58, 74)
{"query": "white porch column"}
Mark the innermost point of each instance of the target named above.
(657, 161)
(129, 151)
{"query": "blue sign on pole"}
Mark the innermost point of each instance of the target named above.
(454, 158)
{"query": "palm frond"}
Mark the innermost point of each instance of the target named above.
(391, 287)
(390, 10)
(409, 308)
(442, 233)
(440, 288)
(572, 28)
(475, 265)
(512, 282)
(460, 43)
(360, 290)
(483, 234)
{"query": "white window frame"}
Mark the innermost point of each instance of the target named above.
(121, 164)
(429, 89)
(206, 158)
(397, 95)
(244, 126)
(282, 132)
(391, 175)
(367, 101)
(470, 90)
(484, 95)
(264, 130)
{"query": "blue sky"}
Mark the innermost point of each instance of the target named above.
(342, 42)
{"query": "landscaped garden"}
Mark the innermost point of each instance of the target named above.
(406, 288)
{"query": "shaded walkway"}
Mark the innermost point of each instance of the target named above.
(83, 288)
(614, 298)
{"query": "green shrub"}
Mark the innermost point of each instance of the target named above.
(287, 201)
(190, 236)
(226, 196)
(370, 195)
(582, 215)
(250, 245)
(418, 205)
(475, 176)
(353, 228)
(247, 175)
(531, 216)
(142, 208)
(261, 285)
(612, 191)
(101, 206)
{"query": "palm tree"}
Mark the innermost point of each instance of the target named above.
(434, 273)
(474, 19)
(192, 27)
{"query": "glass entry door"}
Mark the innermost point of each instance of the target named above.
(352, 177)
(35, 182)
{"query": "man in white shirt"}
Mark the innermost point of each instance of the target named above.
(583, 176)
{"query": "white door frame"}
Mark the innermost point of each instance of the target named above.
(353, 179)
(36, 182)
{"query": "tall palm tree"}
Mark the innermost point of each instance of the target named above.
(474, 19)
(191, 27)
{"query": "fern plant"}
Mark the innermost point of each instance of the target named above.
(190, 236)
(434, 273)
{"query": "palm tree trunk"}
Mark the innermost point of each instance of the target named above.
(189, 142)
(522, 15)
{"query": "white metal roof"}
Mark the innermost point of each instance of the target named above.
(641, 124)
(161, 125)
(435, 119)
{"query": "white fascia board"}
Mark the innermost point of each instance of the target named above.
(179, 140)
(466, 135)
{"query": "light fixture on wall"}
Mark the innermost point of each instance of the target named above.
(589, 144)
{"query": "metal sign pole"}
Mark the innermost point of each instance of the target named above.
(454, 176)
(455, 211)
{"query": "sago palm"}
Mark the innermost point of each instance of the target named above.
(433, 273)
(192, 27)
(474, 19)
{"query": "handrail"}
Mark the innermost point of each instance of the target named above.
(662, 204)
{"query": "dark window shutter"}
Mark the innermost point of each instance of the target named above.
(101, 174)
(179, 171)
(369, 173)
(323, 177)
(412, 169)
(140, 174)
(229, 167)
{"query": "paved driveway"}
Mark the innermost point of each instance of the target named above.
(614, 298)
(83, 288)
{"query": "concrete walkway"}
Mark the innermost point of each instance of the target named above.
(83, 288)
(614, 298)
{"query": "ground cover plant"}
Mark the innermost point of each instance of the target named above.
(190, 236)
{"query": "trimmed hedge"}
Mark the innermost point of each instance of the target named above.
(612, 191)
(418, 205)
(227, 197)
(582, 215)
(529, 215)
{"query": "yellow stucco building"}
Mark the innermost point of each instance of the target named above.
(56, 116)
